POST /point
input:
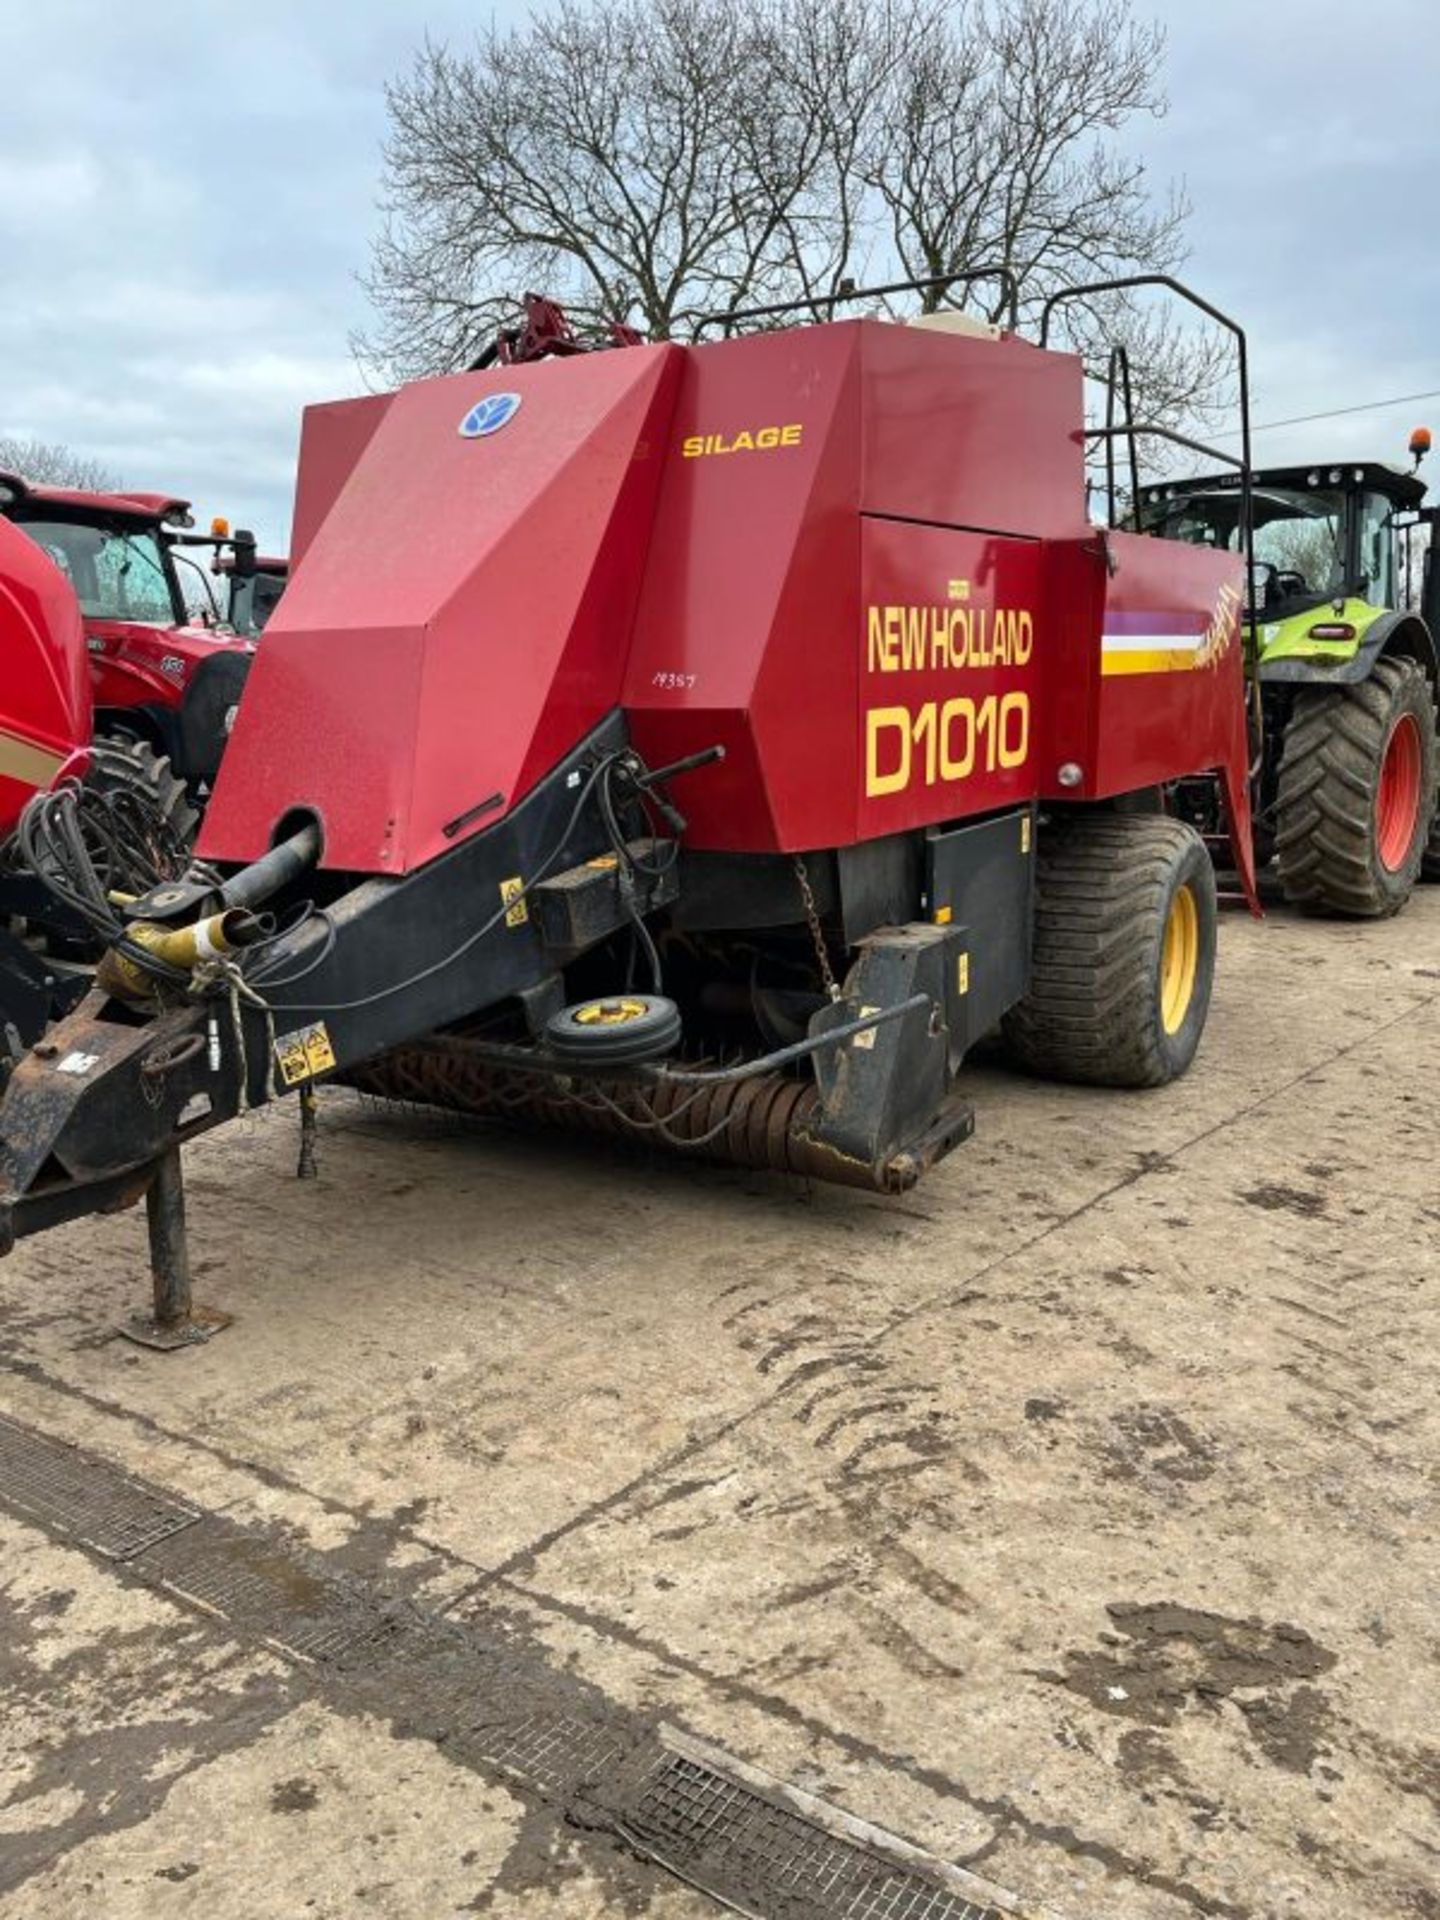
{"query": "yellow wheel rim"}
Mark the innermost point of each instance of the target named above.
(1179, 960)
(608, 1013)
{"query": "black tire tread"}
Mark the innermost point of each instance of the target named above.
(1103, 884)
(1329, 773)
(124, 761)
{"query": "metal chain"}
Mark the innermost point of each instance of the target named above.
(827, 976)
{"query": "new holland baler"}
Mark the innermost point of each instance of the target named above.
(705, 742)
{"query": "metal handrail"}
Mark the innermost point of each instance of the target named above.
(1233, 327)
(1119, 375)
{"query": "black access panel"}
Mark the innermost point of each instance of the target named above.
(980, 876)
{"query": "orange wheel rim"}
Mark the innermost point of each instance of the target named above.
(1397, 800)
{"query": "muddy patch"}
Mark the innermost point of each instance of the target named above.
(1044, 1410)
(1156, 1440)
(1162, 1661)
(1276, 1199)
(294, 1796)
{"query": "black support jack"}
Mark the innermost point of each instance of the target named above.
(174, 1319)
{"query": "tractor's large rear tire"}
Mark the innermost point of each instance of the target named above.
(123, 763)
(1124, 952)
(1357, 793)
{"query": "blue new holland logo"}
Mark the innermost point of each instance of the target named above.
(487, 416)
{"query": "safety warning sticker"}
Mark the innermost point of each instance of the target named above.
(512, 898)
(304, 1053)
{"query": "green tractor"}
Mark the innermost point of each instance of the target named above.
(1344, 669)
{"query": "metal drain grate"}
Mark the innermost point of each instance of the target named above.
(265, 1590)
(720, 1834)
(78, 1495)
(555, 1752)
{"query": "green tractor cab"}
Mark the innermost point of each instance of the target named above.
(1346, 672)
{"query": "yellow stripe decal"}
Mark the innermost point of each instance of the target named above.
(1149, 660)
(21, 759)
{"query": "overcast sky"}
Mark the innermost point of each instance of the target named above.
(187, 192)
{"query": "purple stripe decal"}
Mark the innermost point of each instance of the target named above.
(1159, 621)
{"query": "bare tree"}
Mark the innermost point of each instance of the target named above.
(51, 463)
(657, 161)
(993, 148)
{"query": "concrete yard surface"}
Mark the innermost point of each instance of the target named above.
(1072, 1517)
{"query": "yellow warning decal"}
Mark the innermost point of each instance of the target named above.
(866, 1039)
(512, 898)
(962, 973)
(1025, 834)
(304, 1053)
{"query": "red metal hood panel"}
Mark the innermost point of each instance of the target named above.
(816, 478)
(460, 616)
(332, 438)
(45, 694)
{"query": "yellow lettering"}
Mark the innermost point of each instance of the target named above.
(892, 720)
(912, 642)
(882, 651)
(945, 742)
(955, 763)
(748, 440)
(917, 639)
(959, 655)
(1014, 739)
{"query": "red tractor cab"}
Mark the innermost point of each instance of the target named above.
(159, 674)
(254, 583)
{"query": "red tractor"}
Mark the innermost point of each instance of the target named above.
(736, 734)
(163, 682)
(111, 699)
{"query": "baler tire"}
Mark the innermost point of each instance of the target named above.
(1108, 898)
(1328, 836)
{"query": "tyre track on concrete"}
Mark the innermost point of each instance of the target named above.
(856, 1357)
